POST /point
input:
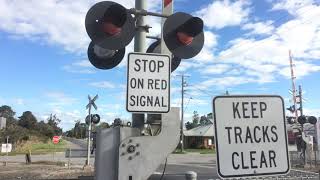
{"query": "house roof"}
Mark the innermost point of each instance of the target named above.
(206, 130)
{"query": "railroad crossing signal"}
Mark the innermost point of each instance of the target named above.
(291, 109)
(95, 119)
(307, 119)
(91, 102)
(111, 28)
(183, 35)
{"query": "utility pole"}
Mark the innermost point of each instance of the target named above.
(182, 111)
(183, 84)
(138, 119)
(300, 101)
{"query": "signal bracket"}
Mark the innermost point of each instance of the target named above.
(146, 13)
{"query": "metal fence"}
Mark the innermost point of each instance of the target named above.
(294, 174)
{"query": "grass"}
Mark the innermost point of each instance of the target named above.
(39, 148)
(48, 147)
(200, 151)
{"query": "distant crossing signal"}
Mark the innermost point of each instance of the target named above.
(307, 119)
(95, 119)
(291, 109)
(312, 120)
(290, 120)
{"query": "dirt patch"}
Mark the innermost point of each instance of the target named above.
(42, 171)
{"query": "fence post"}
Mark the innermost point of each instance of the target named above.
(315, 158)
(69, 158)
(191, 175)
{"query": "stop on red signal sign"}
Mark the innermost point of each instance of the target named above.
(55, 139)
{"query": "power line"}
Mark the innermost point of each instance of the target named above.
(185, 109)
(210, 94)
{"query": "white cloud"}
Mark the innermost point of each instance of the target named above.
(19, 101)
(224, 13)
(207, 53)
(224, 82)
(82, 63)
(81, 67)
(186, 64)
(103, 84)
(59, 99)
(215, 69)
(311, 112)
(292, 6)
(260, 28)
(265, 60)
(268, 58)
(53, 22)
(68, 118)
(301, 69)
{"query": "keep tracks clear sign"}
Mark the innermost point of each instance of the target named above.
(148, 83)
(251, 138)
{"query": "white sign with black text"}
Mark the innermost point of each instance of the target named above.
(251, 138)
(148, 83)
(6, 148)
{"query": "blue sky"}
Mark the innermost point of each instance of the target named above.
(44, 65)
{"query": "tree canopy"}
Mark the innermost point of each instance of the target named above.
(199, 121)
(27, 125)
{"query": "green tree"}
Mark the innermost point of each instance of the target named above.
(195, 118)
(16, 133)
(53, 122)
(195, 121)
(8, 113)
(79, 130)
(103, 125)
(27, 120)
(204, 120)
(189, 125)
(45, 129)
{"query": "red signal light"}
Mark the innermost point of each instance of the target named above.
(111, 29)
(184, 38)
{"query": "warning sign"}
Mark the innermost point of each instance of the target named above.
(251, 138)
(148, 83)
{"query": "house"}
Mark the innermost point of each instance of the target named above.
(199, 137)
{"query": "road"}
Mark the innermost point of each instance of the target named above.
(177, 164)
(57, 157)
(77, 143)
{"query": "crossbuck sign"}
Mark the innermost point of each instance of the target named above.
(148, 84)
(251, 138)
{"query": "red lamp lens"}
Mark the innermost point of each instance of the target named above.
(111, 29)
(184, 38)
